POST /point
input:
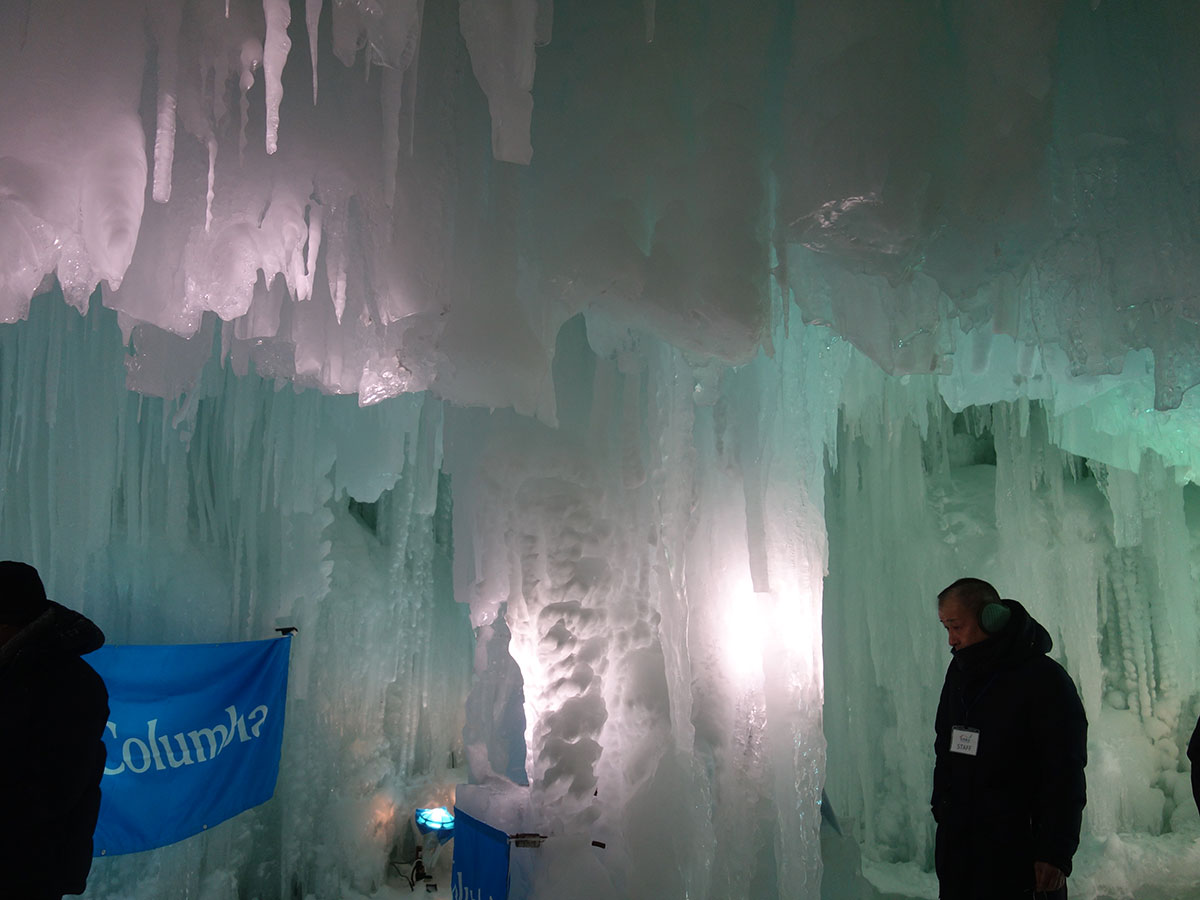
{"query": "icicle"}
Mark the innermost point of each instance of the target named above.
(346, 32)
(312, 18)
(338, 283)
(410, 83)
(220, 78)
(315, 216)
(112, 198)
(397, 46)
(543, 26)
(252, 55)
(500, 40)
(275, 51)
(390, 101)
(212, 169)
(166, 22)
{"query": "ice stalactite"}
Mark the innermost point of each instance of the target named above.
(312, 22)
(251, 58)
(543, 26)
(212, 178)
(276, 46)
(501, 40)
(111, 202)
(313, 250)
(333, 201)
(348, 30)
(166, 19)
(396, 44)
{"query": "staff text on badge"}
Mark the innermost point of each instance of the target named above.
(964, 741)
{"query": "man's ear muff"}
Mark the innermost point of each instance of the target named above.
(993, 617)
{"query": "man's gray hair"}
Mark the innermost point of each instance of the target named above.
(973, 593)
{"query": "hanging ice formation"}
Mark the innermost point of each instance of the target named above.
(690, 349)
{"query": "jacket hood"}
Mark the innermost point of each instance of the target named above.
(1021, 638)
(56, 633)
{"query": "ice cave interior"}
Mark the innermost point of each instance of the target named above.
(605, 391)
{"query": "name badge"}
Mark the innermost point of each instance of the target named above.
(964, 741)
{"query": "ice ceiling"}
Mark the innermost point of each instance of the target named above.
(708, 255)
(313, 183)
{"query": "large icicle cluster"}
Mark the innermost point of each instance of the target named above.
(273, 216)
(909, 175)
(1100, 554)
(248, 509)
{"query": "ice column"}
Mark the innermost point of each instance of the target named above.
(659, 563)
(500, 38)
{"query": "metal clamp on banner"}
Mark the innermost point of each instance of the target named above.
(532, 840)
(527, 839)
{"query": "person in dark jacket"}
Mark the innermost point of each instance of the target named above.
(1010, 747)
(54, 708)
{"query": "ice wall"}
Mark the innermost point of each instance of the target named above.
(218, 518)
(657, 561)
(1101, 555)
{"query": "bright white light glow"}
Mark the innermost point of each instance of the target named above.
(747, 622)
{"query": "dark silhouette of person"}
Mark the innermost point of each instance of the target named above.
(1011, 746)
(54, 708)
(1193, 755)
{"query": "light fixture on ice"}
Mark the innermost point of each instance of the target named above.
(436, 819)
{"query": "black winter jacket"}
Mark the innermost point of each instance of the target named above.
(54, 708)
(1020, 799)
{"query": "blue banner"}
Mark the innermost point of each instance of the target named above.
(480, 869)
(193, 738)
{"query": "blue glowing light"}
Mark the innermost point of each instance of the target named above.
(437, 818)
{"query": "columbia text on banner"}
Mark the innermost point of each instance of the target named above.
(193, 738)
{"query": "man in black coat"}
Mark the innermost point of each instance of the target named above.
(1011, 746)
(54, 708)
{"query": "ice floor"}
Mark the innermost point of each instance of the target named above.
(1125, 867)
